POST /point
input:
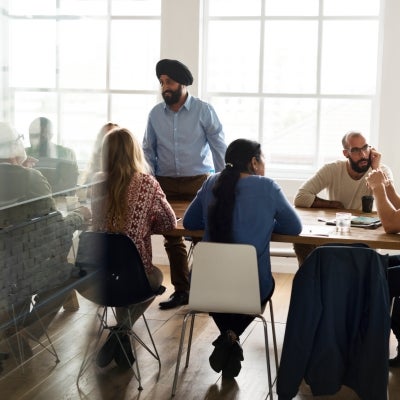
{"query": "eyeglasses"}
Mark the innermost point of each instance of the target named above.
(357, 150)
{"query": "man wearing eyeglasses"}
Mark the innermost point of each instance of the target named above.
(343, 180)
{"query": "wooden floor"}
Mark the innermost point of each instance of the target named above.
(41, 378)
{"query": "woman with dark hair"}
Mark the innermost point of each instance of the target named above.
(240, 205)
(129, 200)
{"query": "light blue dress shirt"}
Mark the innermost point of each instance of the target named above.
(189, 142)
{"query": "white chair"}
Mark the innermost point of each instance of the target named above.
(220, 272)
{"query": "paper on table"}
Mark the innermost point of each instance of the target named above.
(317, 230)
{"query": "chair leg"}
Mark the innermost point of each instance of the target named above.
(136, 339)
(49, 347)
(271, 311)
(155, 354)
(190, 251)
(102, 314)
(190, 340)
(392, 305)
(130, 332)
(88, 357)
(178, 361)
(267, 355)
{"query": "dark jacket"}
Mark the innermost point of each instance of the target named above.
(338, 325)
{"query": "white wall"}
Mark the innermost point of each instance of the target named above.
(182, 39)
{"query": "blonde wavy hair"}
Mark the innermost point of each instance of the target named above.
(122, 157)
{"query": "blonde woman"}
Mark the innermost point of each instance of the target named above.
(95, 160)
(129, 200)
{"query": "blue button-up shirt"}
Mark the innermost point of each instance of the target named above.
(185, 143)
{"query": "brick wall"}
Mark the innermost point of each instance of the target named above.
(33, 258)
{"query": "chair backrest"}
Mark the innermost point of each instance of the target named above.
(338, 322)
(225, 278)
(61, 174)
(393, 277)
(119, 278)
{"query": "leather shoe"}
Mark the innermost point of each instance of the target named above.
(123, 356)
(106, 353)
(233, 365)
(220, 355)
(176, 299)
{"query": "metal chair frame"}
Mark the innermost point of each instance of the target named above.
(114, 262)
(203, 253)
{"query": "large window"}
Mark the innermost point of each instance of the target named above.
(81, 64)
(295, 75)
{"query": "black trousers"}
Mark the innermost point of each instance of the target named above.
(237, 322)
(181, 188)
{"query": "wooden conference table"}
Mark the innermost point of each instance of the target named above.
(314, 231)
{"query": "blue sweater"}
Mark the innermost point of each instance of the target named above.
(260, 209)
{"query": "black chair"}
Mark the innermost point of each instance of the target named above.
(393, 276)
(117, 279)
(338, 324)
(61, 174)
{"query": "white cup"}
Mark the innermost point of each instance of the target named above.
(343, 222)
(72, 202)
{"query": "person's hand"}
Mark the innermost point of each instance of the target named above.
(375, 178)
(375, 157)
(335, 204)
(30, 162)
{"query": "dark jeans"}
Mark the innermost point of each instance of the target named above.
(237, 322)
(393, 275)
(184, 188)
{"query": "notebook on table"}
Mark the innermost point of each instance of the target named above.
(361, 222)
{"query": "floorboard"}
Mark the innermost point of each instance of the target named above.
(42, 378)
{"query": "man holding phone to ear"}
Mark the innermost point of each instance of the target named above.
(343, 180)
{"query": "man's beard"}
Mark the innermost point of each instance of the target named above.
(173, 96)
(356, 167)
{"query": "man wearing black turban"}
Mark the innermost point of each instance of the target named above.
(175, 70)
(183, 142)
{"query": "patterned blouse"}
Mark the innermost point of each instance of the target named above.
(148, 213)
